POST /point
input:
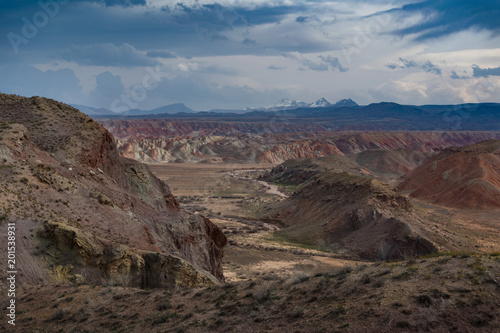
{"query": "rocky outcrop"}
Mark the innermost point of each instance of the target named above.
(58, 165)
(116, 262)
(461, 177)
(296, 149)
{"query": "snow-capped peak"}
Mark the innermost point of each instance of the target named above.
(346, 102)
(320, 103)
(286, 103)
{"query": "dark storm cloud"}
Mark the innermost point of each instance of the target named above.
(214, 17)
(326, 63)
(126, 34)
(455, 76)
(408, 63)
(124, 3)
(428, 66)
(16, 4)
(333, 63)
(161, 54)
(305, 19)
(301, 19)
(264, 15)
(485, 72)
(218, 17)
(184, 30)
(108, 55)
(250, 42)
(444, 17)
(275, 68)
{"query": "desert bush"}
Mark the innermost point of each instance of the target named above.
(379, 283)
(164, 305)
(296, 313)
(297, 278)
(424, 300)
(60, 314)
(339, 310)
(365, 279)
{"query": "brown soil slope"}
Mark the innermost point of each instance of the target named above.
(84, 213)
(463, 177)
(355, 214)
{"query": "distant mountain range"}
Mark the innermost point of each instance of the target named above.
(282, 104)
(343, 115)
(167, 109)
(374, 117)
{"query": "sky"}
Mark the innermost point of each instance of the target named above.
(233, 54)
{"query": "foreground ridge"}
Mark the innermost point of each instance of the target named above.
(84, 214)
(456, 292)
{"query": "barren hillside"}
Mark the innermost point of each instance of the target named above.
(83, 213)
(380, 163)
(355, 215)
(462, 177)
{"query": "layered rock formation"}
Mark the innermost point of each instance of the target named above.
(77, 203)
(223, 149)
(264, 142)
(462, 177)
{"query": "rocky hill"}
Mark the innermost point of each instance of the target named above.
(383, 164)
(355, 215)
(462, 177)
(84, 213)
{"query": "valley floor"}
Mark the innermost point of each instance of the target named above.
(232, 198)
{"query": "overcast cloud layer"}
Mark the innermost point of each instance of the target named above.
(121, 54)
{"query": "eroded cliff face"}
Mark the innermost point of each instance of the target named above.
(223, 149)
(62, 174)
(260, 142)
